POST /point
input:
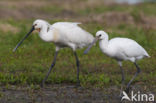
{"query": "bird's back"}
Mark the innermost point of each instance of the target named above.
(128, 47)
(72, 33)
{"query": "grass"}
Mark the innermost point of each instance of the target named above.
(146, 8)
(30, 63)
(48, 9)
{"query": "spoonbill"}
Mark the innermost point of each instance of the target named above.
(62, 34)
(120, 49)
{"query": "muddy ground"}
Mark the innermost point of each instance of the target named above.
(68, 93)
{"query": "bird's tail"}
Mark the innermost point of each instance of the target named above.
(147, 55)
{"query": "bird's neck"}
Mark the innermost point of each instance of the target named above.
(45, 33)
(44, 29)
(105, 48)
(103, 44)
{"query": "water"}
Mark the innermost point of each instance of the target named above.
(134, 1)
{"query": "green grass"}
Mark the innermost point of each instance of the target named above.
(29, 64)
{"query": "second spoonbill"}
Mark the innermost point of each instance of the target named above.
(120, 49)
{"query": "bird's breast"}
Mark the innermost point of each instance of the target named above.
(55, 35)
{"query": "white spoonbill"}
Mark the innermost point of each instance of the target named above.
(62, 34)
(120, 49)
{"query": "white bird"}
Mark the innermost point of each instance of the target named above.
(120, 49)
(62, 34)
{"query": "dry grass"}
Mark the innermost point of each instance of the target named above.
(69, 10)
(28, 66)
(114, 18)
(8, 28)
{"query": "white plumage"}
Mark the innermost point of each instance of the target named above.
(120, 49)
(62, 34)
(65, 34)
(123, 49)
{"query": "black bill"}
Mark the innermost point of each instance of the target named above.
(32, 29)
(94, 41)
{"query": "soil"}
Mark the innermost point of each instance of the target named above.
(65, 93)
(61, 93)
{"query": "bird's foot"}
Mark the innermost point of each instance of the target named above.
(78, 84)
(121, 94)
(120, 97)
(128, 89)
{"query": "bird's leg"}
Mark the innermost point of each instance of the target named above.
(122, 80)
(136, 74)
(52, 65)
(78, 65)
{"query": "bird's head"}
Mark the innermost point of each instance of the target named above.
(37, 25)
(100, 35)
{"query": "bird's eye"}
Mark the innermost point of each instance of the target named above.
(35, 25)
(99, 35)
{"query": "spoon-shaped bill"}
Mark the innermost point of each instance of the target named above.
(94, 41)
(32, 29)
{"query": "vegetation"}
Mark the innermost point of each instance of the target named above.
(31, 62)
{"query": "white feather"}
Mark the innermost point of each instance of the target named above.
(65, 34)
(121, 48)
(72, 34)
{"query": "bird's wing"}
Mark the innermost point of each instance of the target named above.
(134, 49)
(73, 33)
(129, 47)
(66, 23)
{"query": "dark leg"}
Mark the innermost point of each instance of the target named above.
(52, 65)
(122, 80)
(136, 74)
(78, 65)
